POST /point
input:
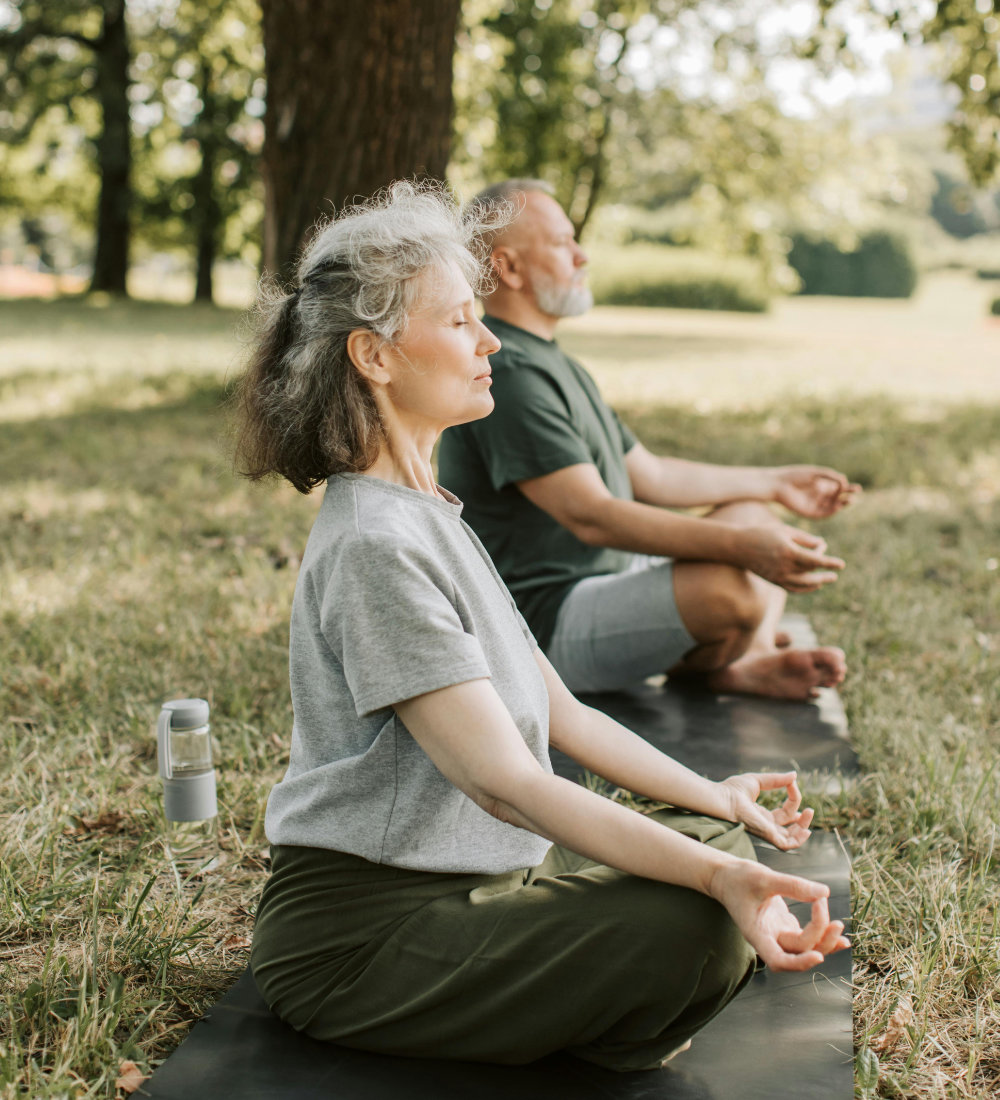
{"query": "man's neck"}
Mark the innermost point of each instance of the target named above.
(521, 314)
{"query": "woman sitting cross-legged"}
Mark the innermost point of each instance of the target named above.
(435, 890)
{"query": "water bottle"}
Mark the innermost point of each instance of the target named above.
(184, 754)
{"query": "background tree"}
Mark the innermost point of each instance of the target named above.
(63, 57)
(660, 104)
(551, 79)
(970, 33)
(357, 95)
(198, 102)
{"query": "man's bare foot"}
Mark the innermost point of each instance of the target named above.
(787, 674)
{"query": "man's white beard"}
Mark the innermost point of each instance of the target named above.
(562, 301)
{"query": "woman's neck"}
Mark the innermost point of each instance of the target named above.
(407, 463)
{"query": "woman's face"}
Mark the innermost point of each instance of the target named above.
(439, 370)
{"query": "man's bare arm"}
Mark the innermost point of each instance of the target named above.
(813, 491)
(577, 498)
(676, 483)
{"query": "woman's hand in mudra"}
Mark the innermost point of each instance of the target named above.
(754, 897)
(786, 827)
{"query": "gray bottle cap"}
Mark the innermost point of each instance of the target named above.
(187, 714)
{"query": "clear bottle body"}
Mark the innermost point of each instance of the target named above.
(193, 846)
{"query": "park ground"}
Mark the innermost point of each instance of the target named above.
(134, 567)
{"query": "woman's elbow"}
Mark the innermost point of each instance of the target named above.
(500, 809)
(510, 801)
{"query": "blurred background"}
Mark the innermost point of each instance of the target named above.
(792, 209)
(712, 154)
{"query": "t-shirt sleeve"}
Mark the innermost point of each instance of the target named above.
(529, 433)
(389, 617)
(629, 438)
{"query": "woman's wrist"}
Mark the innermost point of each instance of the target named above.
(725, 796)
(718, 869)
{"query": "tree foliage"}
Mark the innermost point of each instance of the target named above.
(661, 103)
(198, 100)
(970, 32)
(66, 61)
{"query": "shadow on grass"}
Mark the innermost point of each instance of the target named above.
(41, 318)
(101, 446)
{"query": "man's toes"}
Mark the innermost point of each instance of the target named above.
(830, 664)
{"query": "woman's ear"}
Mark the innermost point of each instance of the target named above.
(365, 351)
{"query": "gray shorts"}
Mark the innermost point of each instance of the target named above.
(615, 630)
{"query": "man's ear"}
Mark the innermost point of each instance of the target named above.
(364, 349)
(507, 266)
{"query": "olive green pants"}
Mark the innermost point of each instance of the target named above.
(571, 955)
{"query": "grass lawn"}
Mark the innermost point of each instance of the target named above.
(134, 567)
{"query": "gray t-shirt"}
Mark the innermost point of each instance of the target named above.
(397, 597)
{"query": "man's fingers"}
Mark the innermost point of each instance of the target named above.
(839, 479)
(807, 538)
(808, 582)
(806, 558)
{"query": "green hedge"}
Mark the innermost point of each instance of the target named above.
(882, 265)
(995, 307)
(681, 278)
(988, 273)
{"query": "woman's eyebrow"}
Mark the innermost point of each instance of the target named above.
(461, 303)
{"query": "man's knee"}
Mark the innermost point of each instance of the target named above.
(722, 603)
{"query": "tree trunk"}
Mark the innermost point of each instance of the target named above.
(358, 95)
(114, 152)
(207, 215)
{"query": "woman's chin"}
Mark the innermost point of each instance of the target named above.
(477, 409)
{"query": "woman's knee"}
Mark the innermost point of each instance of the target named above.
(684, 936)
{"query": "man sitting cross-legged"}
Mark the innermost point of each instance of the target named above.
(574, 510)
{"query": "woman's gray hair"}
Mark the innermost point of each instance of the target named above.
(305, 412)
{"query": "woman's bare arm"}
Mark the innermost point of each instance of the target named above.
(615, 753)
(470, 736)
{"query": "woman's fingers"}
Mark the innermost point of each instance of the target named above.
(799, 889)
(771, 781)
(783, 960)
(806, 939)
(833, 939)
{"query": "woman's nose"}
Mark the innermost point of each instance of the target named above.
(488, 343)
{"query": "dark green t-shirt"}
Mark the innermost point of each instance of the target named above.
(548, 415)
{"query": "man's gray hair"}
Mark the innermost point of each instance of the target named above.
(305, 411)
(505, 198)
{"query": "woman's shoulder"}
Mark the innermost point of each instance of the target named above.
(364, 521)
